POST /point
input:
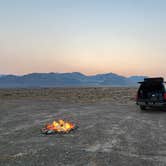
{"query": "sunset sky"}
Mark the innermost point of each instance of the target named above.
(127, 37)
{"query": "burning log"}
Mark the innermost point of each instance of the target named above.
(59, 126)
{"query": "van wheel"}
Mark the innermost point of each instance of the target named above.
(142, 107)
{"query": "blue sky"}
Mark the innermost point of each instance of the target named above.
(91, 36)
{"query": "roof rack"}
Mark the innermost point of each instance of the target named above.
(154, 79)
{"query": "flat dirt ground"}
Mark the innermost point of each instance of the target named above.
(112, 129)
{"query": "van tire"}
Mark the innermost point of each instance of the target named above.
(142, 107)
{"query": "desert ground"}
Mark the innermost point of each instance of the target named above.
(112, 131)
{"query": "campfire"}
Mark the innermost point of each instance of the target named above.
(59, 126)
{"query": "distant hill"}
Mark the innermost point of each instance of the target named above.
(67, 79)
(136, 79)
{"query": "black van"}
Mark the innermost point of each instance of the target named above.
(151, 93)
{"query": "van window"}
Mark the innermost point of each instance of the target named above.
(165, 86)
(152, 87)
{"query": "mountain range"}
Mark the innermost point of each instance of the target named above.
(66, 79)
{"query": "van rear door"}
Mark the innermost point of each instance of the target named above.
(151, 92)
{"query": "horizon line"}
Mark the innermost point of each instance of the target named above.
(70, 73)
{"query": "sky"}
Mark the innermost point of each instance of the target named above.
(126, 37)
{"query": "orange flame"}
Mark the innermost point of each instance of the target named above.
(60, 126)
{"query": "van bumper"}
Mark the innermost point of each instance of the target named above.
(152, 104)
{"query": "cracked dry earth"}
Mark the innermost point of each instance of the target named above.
(111, 131)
